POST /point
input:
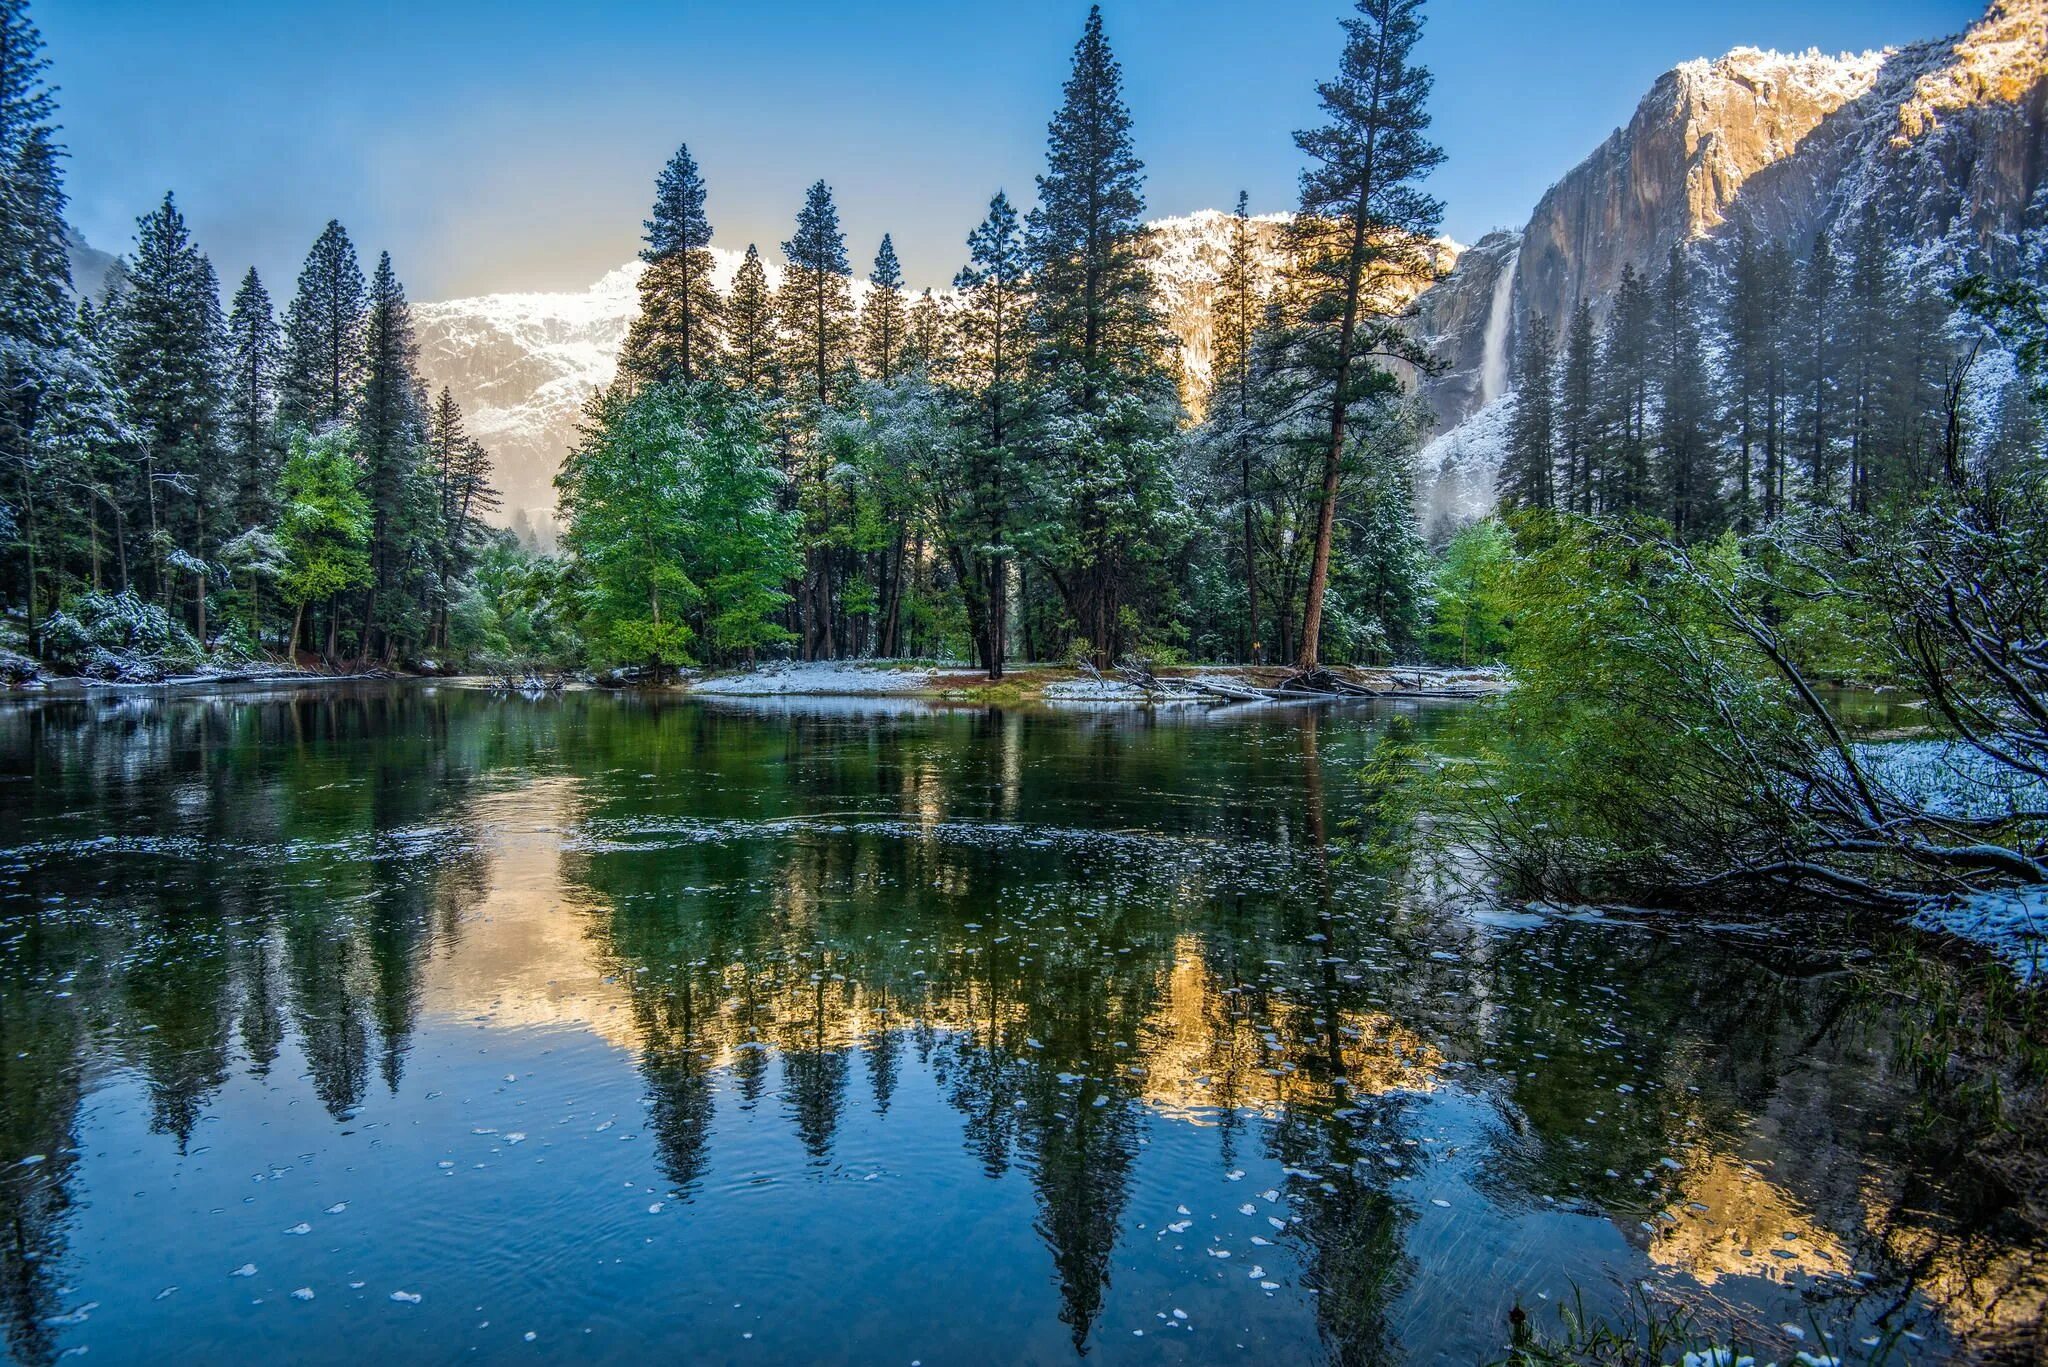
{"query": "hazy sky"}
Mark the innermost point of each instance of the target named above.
(511, 144)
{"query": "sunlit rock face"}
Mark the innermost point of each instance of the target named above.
(1946, 140)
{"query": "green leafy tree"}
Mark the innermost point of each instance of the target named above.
(625, 500)
(323, 529)
(1469, 614)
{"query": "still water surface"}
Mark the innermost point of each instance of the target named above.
(411, 1024)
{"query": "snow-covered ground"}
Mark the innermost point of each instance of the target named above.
(2011, 922)
(825, 678)
(1951, 779)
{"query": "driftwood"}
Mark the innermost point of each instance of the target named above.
(1323, 681)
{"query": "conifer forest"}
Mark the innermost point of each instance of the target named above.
(1131, 777)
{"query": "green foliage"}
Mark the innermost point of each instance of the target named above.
(324, 520)
(517, 609)
(1470, 612)
(673, 528)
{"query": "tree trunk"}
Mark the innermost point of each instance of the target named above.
(1310, 656)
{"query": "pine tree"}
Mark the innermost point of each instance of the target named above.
(1815, 371)
(925, 336)
(979, 528)
(1688, 442)
(463, 494)
(676, 334)
(815, 306)
(1745, 329)
(1869, 313)
(1578, 430)
(390, 430)
(754, 351)
(324, 335)
(1086, 241)
(35, 271)
(168, 360)
(1364, 228)
(1237, 309)
(1626, 389)
(816, 313)
(883, 319)
(252, 365)
(1528, 473)
(1108, 419)
(35, 276)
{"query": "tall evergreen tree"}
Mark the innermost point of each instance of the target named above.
(35, 271)
(1363, 230)
(463, 491)
(676, 334)
(390, 432)
(754, 352)
(1815, 371)
(816, 312)
(169, 357)
(1869, 312)
(1687, 435)
(1528, 474)
(35, 279)
(1578, 421)
(924, 335)
(815, 304)
(324, 334)
(1627, 396)
(985, 495)
(1236, 313)
(883, 318)
(1094, 314)
(1099, 350)
(252, 366)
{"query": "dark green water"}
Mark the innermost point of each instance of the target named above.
(620, 1031)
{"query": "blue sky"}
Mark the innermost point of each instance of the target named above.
(513, 144)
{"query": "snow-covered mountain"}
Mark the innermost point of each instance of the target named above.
(523, 365)
(1947, 139)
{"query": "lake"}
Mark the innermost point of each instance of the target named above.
(409, 1023)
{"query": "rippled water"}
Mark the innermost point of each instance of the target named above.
(412, 1023)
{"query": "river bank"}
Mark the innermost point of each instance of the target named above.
(930, 681)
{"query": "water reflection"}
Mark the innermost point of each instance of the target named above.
(1097, 986)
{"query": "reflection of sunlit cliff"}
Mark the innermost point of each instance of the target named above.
(1732, 1221)
(1207, 1048)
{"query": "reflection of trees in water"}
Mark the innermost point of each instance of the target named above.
(1193, 971)
(41, 1042)
(243, 885)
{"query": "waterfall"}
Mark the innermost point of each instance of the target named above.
(1493, 365)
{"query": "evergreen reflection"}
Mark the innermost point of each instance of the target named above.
(1070, 930)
